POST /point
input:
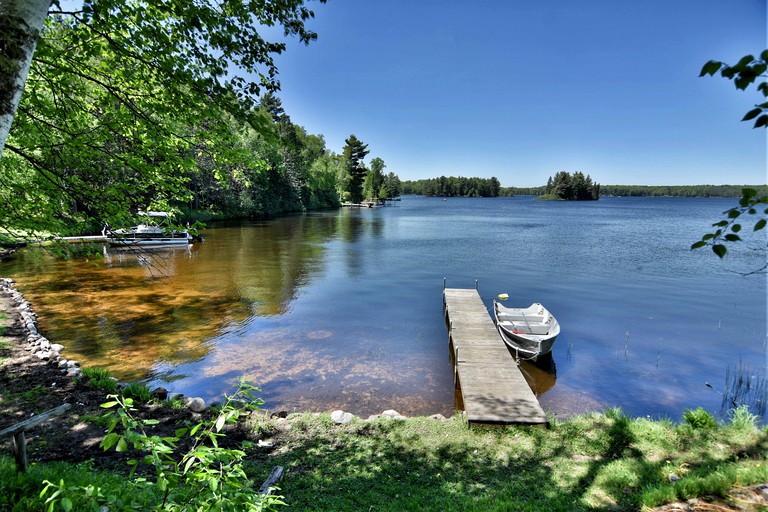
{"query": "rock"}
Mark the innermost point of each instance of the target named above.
(438, 417)
(340, 417)
(373, 417)
(57, 347)
(280, 414)
(62, 363)
(195, 404)
(392, 414)
(43, 356)
(159, 393)
(72, 364)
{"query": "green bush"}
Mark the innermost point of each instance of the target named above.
(100, 378)
(139, 391)
(206, 477)
(700, 419)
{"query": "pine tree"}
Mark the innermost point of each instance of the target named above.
(354, 153)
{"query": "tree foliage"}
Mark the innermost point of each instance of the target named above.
(133, 105)
(744, 73)
(354, 154)
(576, 187)
(453, 187)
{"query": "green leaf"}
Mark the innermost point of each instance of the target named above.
(732, 238)
(699, 244)
(736, 228)
(744, 62)
(66, 504)
(220, 422)
(759, 225)
(108, 405)
(109, 441)
(764, 55)
(122, 446)
(752, 114)
(720, 250)
(761, 121)
(710, 68)
(732, 214)
(748, 192)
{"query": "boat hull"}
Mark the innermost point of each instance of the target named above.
(148, 242)
(531, 332)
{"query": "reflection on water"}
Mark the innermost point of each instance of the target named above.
(342, 309)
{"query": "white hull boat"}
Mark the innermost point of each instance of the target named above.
(155, 232)
(530, 331)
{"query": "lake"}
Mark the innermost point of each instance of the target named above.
(343, 309)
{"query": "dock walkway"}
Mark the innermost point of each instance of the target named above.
(492, 387)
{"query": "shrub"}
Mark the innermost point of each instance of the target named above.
(207, 477)
(700, 419)
(139, 391)
(100, 378)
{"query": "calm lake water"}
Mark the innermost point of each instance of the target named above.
(343, 309)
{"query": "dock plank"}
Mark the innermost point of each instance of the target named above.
(493, 389)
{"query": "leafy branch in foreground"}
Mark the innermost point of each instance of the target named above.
(207, 476)
(728, 228)
(744, 73)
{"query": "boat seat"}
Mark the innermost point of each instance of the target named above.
(522, 318)
(527, 328)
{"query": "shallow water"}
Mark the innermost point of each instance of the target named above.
(342, 309)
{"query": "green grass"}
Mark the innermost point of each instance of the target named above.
(139, 391)
(100, 378)
(591, 462)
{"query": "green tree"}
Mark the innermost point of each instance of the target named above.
(375, 179)
(744, 73)
(354, 153)
(124, 98)
(392, 185)
(562, 186)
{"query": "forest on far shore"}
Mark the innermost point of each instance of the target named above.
(488, 187)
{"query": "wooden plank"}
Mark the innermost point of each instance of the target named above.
(493, 389)
(20, 439)
(34, 420)
(495, 394)
(269, 484)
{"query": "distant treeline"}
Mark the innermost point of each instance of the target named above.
(452, 187)
(489, 187)
(679, 190)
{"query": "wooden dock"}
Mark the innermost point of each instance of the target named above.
(492, 387)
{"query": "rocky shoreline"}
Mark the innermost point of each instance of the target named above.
(42, 350)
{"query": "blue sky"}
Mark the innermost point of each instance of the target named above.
(522, 89)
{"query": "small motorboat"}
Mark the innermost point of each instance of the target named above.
(530, 331)
(154, 232)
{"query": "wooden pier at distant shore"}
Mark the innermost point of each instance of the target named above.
(492, 387)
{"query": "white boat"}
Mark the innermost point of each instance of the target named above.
(156, 231)
(530, 331)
